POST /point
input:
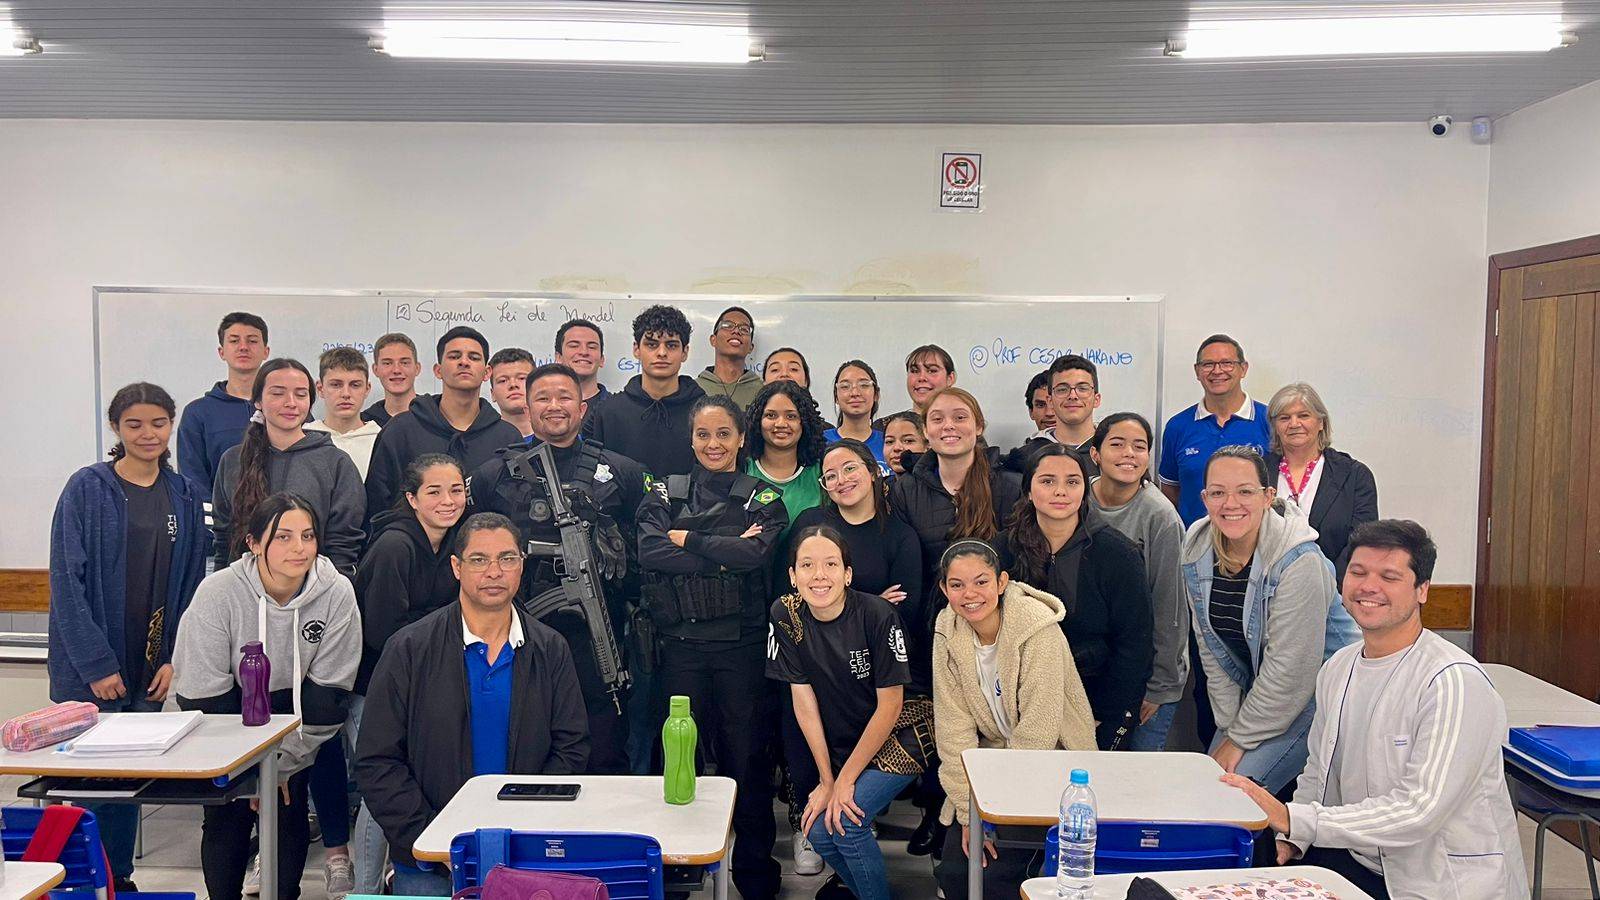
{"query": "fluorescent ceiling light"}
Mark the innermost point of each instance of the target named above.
(568, 41)
(1397, 35)
(16, 43)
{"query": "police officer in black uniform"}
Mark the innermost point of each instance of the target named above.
(604, 488)
(706, 542)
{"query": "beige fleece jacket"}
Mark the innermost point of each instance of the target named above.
(1039, 685)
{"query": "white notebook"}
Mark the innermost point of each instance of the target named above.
(135, 734)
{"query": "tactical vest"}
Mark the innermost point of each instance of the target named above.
(686, 606)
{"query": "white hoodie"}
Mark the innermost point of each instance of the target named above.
(356, 443)
(315, 638)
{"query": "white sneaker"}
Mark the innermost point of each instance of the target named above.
(340, 874)
(806, 860)
(252, 878)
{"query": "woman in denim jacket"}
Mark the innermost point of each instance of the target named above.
(1267, 614)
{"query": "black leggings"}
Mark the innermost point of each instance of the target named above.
(1351, 868)
(1003, 876)
(226, 843)
(728, 691)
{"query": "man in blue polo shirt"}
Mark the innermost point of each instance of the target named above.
(1225, 416)
(523, 712)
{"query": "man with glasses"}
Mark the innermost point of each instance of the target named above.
(1074, 385)
(733, 339)
(473, 688)
(1224, 416)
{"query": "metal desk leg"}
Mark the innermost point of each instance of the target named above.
(267, 824)
(721, 878)
(974, 849)
(1588, 856)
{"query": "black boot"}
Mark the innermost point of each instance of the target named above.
(929, 836)
(834, 889)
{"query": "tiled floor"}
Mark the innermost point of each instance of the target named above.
(172, 857)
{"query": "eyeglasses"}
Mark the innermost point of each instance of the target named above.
(865, 384)
(1082, 389)
(1244, 494)
(849, 469)
(736, 328)
(1223, 365)
(479, 562)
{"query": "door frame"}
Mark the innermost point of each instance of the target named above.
(1498, 263)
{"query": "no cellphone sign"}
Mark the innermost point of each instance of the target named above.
(961, 181)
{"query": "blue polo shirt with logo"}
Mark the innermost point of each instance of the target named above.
(1192, 436)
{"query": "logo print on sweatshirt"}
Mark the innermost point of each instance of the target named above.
(312, 631)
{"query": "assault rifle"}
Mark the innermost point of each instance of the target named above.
(575, 563)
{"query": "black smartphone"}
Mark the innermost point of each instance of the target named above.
(524, 791)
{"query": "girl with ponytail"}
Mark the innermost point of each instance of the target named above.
(278, 455)
(127, 550)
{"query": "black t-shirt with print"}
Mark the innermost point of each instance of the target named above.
(845, 661)
(152, 530)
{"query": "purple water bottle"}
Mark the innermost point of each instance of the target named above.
(255, 673)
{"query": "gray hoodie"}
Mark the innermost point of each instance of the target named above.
(1151, 522)
(313, 643)
(314, 468)
(1304, 624)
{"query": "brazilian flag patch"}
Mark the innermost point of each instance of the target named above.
(766, 496)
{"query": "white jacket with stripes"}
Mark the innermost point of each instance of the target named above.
(1439, 815)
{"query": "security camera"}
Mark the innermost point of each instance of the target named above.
(1440, 125)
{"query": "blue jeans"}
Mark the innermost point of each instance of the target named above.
(119, 822)
(431, 882)
(1152, 735)
(371, 848)
(1279, 760)
(854, 852)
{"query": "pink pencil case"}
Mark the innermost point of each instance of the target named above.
(51, 725)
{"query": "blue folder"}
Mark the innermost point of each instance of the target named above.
(1569, 749)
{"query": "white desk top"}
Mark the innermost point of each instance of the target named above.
(220, 745)
(694, 834)
(1533, 701)
(1023, 787)
(27, 880)
(1115, 887)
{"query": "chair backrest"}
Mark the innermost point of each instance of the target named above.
(83, 856)
(1127, 847)
(628, 864)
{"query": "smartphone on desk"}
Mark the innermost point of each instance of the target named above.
(525, 791)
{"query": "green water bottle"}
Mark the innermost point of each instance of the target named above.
(678, 737)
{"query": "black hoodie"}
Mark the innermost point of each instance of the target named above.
(424, 429)
(654, 433)
(400, 579)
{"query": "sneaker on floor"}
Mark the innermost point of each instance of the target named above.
(340, 874)
(124, 885)
(252, 878)
(316, 826)
(806, 860)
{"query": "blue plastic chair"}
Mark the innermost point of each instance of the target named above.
(628, 864)
(83, 857)
(1129, 847)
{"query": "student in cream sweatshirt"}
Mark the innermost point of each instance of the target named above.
(291, 599)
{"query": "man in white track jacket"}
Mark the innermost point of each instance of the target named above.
(1403, 792)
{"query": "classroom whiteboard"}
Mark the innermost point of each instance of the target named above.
(168, 336)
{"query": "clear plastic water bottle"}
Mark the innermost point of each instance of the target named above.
(1077, 830)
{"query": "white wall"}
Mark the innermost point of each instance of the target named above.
(1544, 184)
(1348, 256)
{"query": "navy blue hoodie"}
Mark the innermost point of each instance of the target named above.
(88, 577)
(424, 429)
(208, 427)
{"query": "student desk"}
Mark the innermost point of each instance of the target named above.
(695, 834)
(1115, 887)
(27, 880)
(1534, 701)
(1023, 787)
(220, 748)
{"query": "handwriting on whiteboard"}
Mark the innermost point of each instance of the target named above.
(999, 352)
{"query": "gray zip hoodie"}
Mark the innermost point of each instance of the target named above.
(313, 643)
(1150, 521)
(318, 471)
(1298, 634)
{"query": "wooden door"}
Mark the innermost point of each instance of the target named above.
(1538, 597)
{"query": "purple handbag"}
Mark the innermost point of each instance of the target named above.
(506, 883)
